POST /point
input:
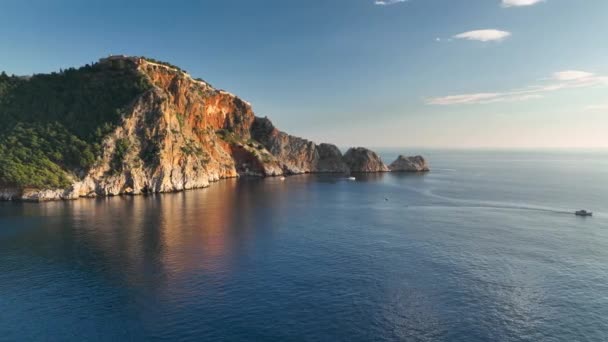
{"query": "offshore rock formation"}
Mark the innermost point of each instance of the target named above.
(181, 133)
(360, 159)
(409, 164)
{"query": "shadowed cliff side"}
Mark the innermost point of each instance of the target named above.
(297, 155)
(360, 159)
(409, 164)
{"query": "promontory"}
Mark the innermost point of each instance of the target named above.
(133, 125)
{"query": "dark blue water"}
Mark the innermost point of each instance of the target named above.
(484, 248)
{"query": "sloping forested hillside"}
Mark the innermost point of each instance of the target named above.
(51, 125)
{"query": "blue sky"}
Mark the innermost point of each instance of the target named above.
(417, 73)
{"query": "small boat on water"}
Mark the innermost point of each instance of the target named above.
(583, 213)
(282, 178)
(352, 178)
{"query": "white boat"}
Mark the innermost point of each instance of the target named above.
(352, 178)
(282, 178)
(583, 213)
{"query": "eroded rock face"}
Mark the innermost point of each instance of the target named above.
(330, 159)
(360, 159)
(409, 164)
(297, 155)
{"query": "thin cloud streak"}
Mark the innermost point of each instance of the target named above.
(505, 3)
(597, 108)
(488, 35)
(520, 3)
(388, 2)
(568, 79)
(571, 75)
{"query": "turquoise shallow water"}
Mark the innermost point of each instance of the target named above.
(484, 248)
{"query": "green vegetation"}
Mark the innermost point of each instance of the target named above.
(120, 151)
(164, 63)
(233, 138)
(264, 157)
(31, 155)
(254, 144)
(150, 154)
(251, 145)
(202, 80)
(180, 120)
(191, 148)
(52, 125)
(228, 136)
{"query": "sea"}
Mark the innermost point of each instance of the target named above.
(485, 247)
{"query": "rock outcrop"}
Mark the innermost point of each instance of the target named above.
(409, 164)
(296, 155)
(360, 159)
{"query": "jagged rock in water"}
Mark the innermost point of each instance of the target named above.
(409, 164)
(360, 159)
(330, 159)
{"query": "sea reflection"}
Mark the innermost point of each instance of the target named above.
(370, 177)
(156, 241)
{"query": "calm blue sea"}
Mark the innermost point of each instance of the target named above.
(483, 248)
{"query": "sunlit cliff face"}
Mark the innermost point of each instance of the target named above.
(202, 106)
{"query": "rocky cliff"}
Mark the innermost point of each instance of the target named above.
(176, 133)
(360, 159)
(409, 164)
(297, 155)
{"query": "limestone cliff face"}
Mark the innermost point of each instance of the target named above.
(409, 164)
(360, 159)
(182, 134)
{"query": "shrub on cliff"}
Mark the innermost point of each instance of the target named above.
(120, 152)
(167, 64)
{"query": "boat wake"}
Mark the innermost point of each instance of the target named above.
(465, 203)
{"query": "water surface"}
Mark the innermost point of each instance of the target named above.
(484, 248)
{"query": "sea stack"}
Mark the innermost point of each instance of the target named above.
(360, 159)
(409, 164)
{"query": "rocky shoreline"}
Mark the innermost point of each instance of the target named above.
(364, 160)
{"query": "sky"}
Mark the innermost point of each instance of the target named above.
(392, 73)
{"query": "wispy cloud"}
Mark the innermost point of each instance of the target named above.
(560, 80)
(519, 3)
(488, 35)
(481, 98)
(572, 75)
(597, 108)
(505, 3)
(388, 2)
